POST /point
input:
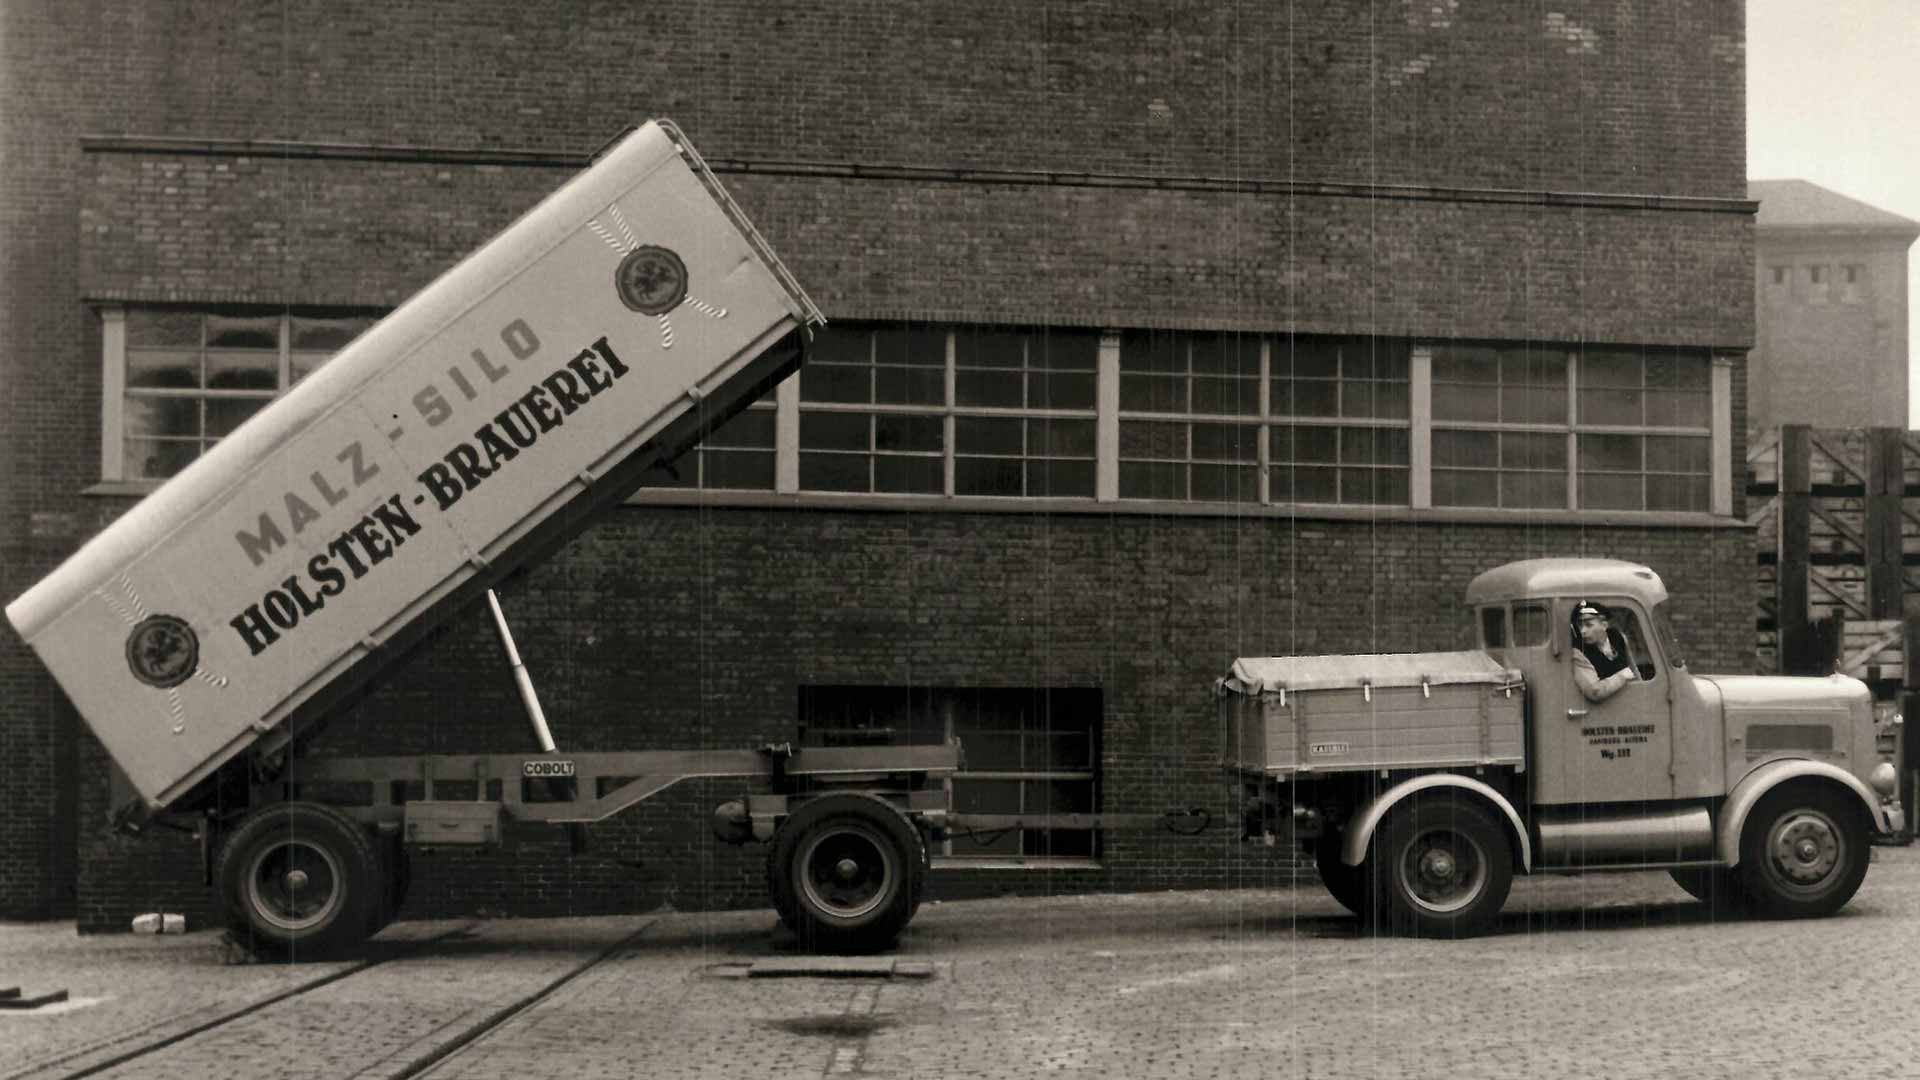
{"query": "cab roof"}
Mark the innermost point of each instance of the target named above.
(1539, 578)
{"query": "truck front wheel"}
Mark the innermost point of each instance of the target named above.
(1350, 885)
(298, 881)
(845, 871)
(1445, 866)
(1803, 852)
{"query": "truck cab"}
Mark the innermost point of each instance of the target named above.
(1759, 793)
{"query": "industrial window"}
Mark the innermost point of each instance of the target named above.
(1852, 276)
(177, 380)
(1024, 412)
(1818, 285)
(738, 455)
(1500, 426)
(1644, 430)
(1167, 378)
(1778, 274)
(1031, 760)
(1344, 435)
(872, 410)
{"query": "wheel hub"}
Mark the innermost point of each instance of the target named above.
(847, 869)
(1806, 848)
(296, 880)
(1443, 871)
(1438, 866)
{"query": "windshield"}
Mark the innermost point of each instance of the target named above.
(1663, 629)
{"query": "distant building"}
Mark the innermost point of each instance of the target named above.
(1830, 289)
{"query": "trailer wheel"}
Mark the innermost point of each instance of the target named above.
(1715, 887)
(299, 881)
(844, 873)
(396, 875)
(1350, 885)
(1803, 852)
(1445, 868)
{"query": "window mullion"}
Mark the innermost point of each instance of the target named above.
(1107, 420)
(1420, 437)
(113, 397)
(951, 397)
(1573, 424)
(1720, 498)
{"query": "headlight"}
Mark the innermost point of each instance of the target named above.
(1885, 779)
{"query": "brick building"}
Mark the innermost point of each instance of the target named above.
(1162, 333)
(1830, 308)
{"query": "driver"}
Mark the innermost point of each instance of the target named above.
(1601, 665)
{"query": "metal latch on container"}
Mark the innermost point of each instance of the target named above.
(1426, 688)
(1366, 691)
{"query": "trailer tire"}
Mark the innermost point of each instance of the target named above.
(1352, 886)
(298, 881)
(1716, 887)
(1444, 867)
(1803, 852)
(396, 875)
(845, 872)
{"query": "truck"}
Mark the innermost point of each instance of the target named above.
(209, 632)
(1419, 784)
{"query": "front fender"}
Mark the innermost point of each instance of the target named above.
(1740, 801)
(1360, 832)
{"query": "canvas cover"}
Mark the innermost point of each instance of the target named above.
(1254, 675)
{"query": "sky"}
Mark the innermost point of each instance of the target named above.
(1833, 97)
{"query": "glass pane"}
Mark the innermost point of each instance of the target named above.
(1226, 483)
(909, 386)
(1530, 624)
(1679, 454)
(1679, 371)
(1608, 491)
(1370, 446)
(916, 346)
(1356, 399)
(1312, 397)
(170, 329)
(750, 428)
(1679, 408)
(987, 476)
(989, 348)
(1374, 486)
(1152, 480)
(156, 459)
(1065, 350)
(1465, 363)
(1057, 750)
(913, 475)
(170, 416)
(1533, 451)
(1226, 354)
(1057, 390)
(1145, 439)
(834, 431)
(169, 370)
(1493, 627)
(685, 473)
(918, 433)
(1453, 487)
(991, 389)
(1601, 453)
(1226, 442)
(1308, 359)
(1385, 360)
(1465, 449)
(1279, 443)
(1540, 490)
(841, 344)
(1609, 368)
(302, 364)
(1530, 367)
(1392, 401)
(1311, 485)
(1061, 438)
(1479, 403)
(1226, 396)
(833, 472)
(1063, 479)
(226, 414)
(1533, 404)
(1688, 493)
(750, 470)
(322, 335)
(987, 796)
(1610, 407)
(1280, 397)
(237, 370)
(1153, 393)
(1150, 350)
(244, 332)
(836, 382)
(987, 435)
(1316, 444)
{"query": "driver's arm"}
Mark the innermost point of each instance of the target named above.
(1593, 687)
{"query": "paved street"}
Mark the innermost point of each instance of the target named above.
(1611, 976)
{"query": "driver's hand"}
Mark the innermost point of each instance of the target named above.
(1633, 675)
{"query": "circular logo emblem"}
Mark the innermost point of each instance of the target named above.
(651, 280)
(163, 651)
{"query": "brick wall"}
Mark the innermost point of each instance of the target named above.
(695, 628)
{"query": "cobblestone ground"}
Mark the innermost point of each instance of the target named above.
(1618, 976)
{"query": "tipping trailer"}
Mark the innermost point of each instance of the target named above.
(473, 430)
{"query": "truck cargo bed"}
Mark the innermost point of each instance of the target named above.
(1291, 715)
(478, 426)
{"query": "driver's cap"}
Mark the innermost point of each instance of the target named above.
(1587, 607)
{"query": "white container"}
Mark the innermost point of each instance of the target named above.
(154, 922)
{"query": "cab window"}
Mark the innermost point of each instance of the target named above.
(1532, 624)
(1628, 623)
(1493, 627)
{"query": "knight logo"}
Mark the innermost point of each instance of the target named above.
(163, 651)
(652, 280)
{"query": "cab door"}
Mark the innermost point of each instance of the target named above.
(1617, 750)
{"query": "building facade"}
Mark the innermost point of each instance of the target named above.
(1160, 334)
(1830, 310)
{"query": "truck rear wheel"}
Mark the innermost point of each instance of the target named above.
(1803, 852)
(1352, 886)
(298, 881)
(1445, 868)
(844, 872)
